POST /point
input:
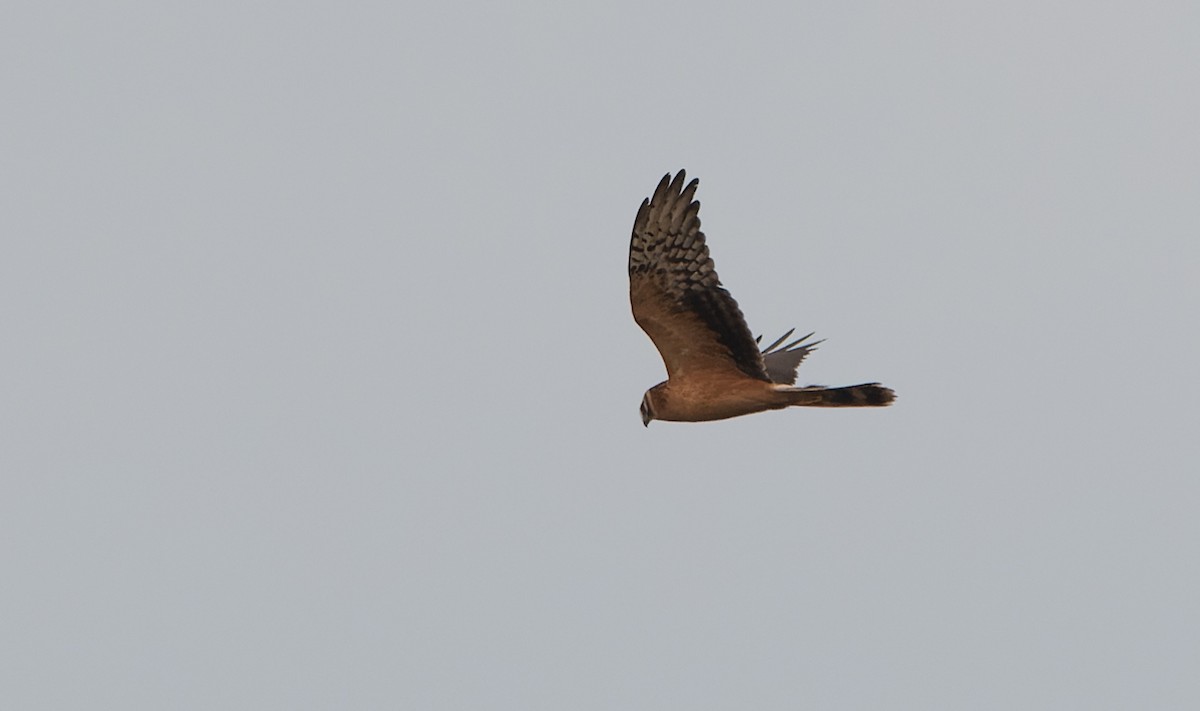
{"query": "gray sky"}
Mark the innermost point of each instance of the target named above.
(320, 389)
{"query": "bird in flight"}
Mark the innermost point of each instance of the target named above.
(715, 369)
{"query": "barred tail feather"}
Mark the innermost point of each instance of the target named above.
(865, 395)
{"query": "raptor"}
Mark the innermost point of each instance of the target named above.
(715, 369)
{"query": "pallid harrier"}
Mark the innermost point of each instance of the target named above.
(714, 368)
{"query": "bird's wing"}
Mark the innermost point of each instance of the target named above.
(676, 296)
(781, 361)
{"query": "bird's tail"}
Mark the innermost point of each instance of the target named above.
(865, 395)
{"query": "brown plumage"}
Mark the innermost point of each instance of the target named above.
(715, 369)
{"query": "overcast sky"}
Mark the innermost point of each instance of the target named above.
(319, 387)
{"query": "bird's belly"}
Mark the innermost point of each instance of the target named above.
(708, 403)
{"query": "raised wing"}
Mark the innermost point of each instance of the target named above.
(676, 296)
(781, 361)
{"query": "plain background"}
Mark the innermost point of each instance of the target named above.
(319, 388)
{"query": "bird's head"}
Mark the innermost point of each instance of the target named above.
(647, 407)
